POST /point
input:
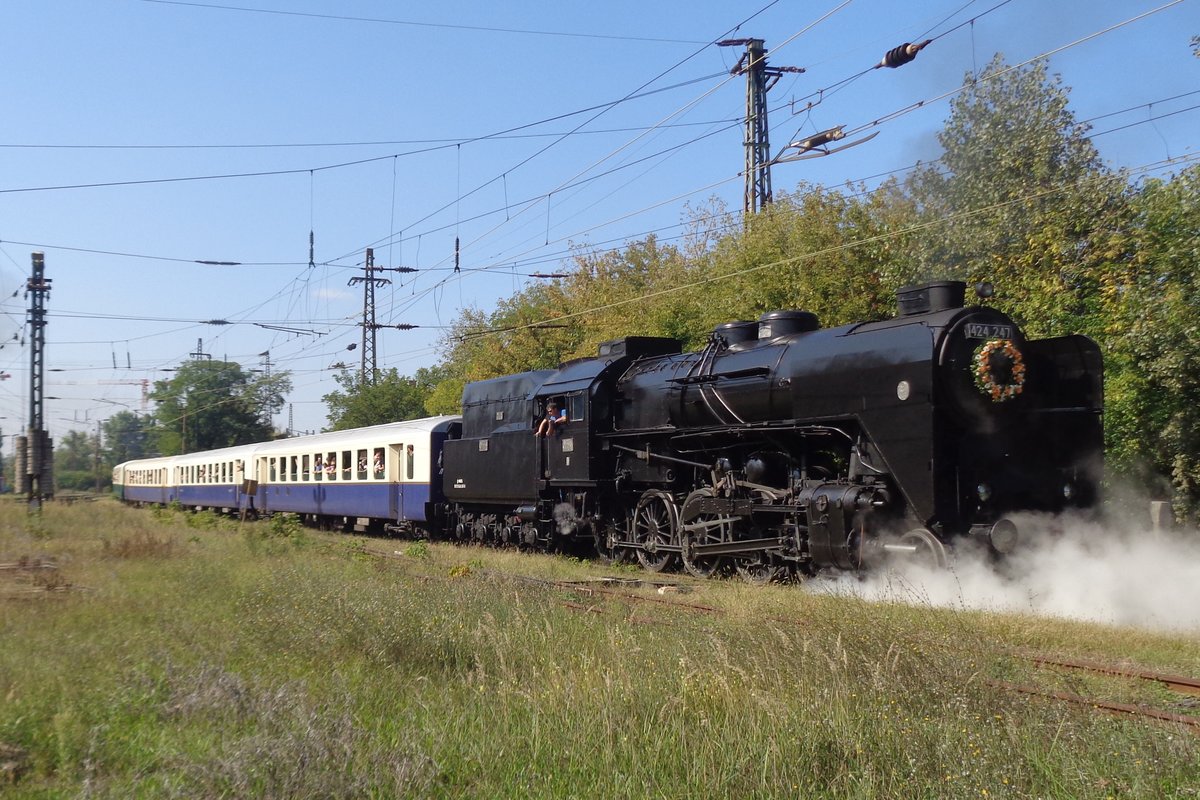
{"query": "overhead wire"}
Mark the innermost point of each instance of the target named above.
(413, 23)
(600, 111)
(638, 94)
(585, 170)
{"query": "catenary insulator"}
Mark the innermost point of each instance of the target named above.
(898, 56)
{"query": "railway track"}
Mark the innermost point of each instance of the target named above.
(1178, 684)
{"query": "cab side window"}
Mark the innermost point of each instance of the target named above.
(577, 407)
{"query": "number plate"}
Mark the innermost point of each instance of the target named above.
(983, 330)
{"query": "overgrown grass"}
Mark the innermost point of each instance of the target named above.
(204, 659)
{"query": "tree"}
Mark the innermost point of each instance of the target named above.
(75, 461)
(213, 404)
(390, 398)
(1152, 303)
(125, 438)
(1020, 198)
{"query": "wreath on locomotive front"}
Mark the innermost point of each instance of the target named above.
(998, 370)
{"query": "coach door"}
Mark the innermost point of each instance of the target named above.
(567, 450)
(265, 479)
(394, 468)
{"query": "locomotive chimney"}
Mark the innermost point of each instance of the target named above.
(926, 298)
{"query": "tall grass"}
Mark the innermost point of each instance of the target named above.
(211, 659)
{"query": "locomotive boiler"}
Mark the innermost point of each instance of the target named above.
(784, 446)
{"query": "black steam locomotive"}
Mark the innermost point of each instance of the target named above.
(784, 446)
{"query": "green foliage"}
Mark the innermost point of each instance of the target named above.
(80, 479)
(1020, 198)
(391, 397)
(208, 405)
(125, 438)
(166, 513)
(286, 526)
(1152, 307)
(76, 451)
(206, 520)
(417, 550)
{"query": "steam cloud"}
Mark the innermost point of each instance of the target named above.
(1128, 575)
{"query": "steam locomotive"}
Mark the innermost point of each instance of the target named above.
(782, 445)
(778, 447)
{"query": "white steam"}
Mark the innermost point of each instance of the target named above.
(1117, 574)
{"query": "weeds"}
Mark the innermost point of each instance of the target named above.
(250, 667)
(206, 520)
(286, 526)
(139, 544)
(166, 513)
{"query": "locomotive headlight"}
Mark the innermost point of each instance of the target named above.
(1068, 491)
(984, 492)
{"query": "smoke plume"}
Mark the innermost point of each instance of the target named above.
(1116, 574)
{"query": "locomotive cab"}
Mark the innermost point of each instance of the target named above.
(565, 453)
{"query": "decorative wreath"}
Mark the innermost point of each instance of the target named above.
(999, 370)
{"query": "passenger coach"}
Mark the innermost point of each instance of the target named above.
(387, 474)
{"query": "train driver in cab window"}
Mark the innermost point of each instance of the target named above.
(555, 415)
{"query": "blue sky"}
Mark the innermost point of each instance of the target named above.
(126, 91)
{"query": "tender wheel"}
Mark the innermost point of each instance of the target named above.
(655, 525)
(926, 549)
(703, 566)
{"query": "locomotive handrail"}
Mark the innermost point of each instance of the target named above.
(646, 455)
(749, 372)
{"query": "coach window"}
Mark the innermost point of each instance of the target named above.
(377, 463)
(304, 471)
(347, 465)
(361, 460)
(410, 462)
(271, 461)
(318, 467)
(292, 473)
